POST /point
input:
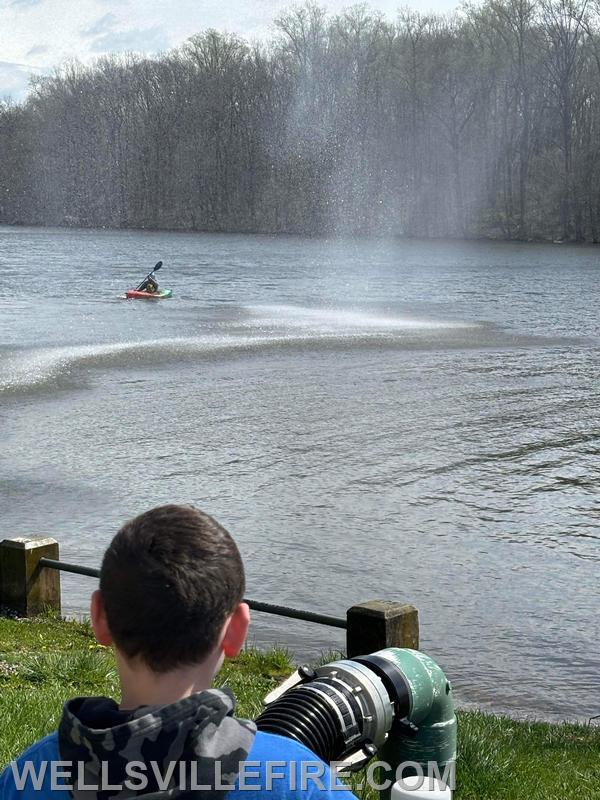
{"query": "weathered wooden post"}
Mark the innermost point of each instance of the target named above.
(26, 589)
(378, 624)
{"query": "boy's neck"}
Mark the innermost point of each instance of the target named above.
(140, 686)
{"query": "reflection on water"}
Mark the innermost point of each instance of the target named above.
(412, 421)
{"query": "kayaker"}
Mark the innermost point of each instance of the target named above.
(150, 284)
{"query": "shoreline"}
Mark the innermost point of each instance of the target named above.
(326, 236)
(258, 643)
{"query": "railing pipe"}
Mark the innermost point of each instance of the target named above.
(62, 566)
(255, 605)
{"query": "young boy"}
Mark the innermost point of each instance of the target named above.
(170, 604)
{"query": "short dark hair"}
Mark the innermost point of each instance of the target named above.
(168, 581)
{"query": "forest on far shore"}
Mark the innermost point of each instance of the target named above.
(485, 122)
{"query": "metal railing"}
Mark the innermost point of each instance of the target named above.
(255, 605)
(30, 585)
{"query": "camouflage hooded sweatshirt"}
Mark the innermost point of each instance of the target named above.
(154, 751)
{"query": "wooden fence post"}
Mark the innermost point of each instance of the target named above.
(378, 624)
(26, 589)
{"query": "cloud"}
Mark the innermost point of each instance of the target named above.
(14, 79)
(37, 50)
(102, 26)
(136, 39)
(23, 3)
(107, 39)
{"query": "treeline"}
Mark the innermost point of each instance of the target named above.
(483, 123)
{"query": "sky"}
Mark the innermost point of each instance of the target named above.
(38, 35)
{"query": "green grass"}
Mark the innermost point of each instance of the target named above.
(502, 758)
(50, 633)
(45, 662)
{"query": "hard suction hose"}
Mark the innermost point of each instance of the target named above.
(395, 703)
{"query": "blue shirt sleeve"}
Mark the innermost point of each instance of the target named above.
(33, 766)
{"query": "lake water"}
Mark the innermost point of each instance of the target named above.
(371, 419)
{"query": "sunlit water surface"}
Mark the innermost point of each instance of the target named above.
(401, 420)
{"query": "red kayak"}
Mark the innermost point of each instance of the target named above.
(134, 294)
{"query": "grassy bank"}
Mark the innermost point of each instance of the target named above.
(44, 662)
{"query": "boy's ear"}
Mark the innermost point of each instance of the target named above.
(235, 631)
(99, 621)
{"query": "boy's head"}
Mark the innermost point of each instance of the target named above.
(169, 581)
